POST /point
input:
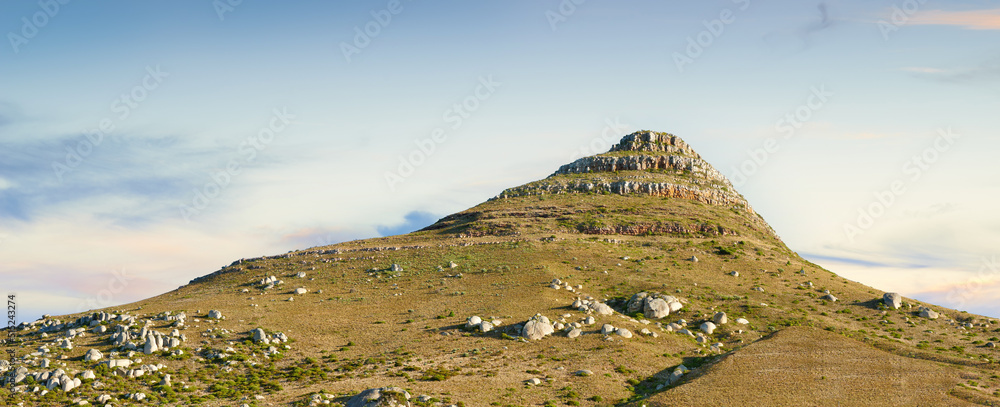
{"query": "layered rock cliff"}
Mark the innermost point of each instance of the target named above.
(644, 162)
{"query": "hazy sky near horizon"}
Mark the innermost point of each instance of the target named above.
(143, 144)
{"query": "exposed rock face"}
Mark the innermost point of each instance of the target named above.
(659, 189)
(695, 166)
(654, 142)
(674, 170)
(642, 229)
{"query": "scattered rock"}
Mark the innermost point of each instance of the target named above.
(473, 322)
(607, 329)
(928, 313)
(93, 355)
(656, 308)
(380, 397)
(892, 300)
(829, 297)
(720, 318)
(602, 309)
(583, 372)
(693, 259)
(624, 333)
(991, 345)
(300, 291)
(708, 328)
(742, 321)
(676, 375)
(573, 333)
(113, 363)
(150, 345)
(537, 328)
(214, 314)
(533, 381)
(258, 335)
(734, 273)
(653, 306)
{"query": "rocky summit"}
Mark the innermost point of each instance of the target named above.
(636, 277)
(646, 163)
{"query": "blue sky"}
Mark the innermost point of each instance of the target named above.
(143, 144)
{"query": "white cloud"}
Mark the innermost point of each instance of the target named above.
(974, 290)
(988, 19)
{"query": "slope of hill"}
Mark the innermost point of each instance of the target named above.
(321, 325)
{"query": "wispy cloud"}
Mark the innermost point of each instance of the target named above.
(824, 21)
(799, 38)
(126, 171)
(969, 19)
(988, 70)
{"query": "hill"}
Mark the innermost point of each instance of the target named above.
(637, 277)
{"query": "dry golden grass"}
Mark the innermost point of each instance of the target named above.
(803, 366)
(405, 329)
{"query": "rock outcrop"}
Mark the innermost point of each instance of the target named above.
(381, 397)
(892, 300)
(674, 170)
(537, 328)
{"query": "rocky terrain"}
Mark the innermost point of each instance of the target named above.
(637, 277)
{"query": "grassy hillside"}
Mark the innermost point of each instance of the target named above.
(392, 312)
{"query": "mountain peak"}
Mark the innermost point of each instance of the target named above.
(644, 163)
(652, 141)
